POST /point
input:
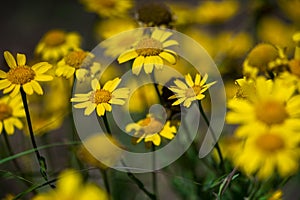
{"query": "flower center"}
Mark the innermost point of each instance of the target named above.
(100, 96)
(149, 47)
(75, 58)
(194, 91)
(271, 112)
(55, 38)
(20, 75)
(151, 125)
(294, 66)
(269, 142)
(5, 111)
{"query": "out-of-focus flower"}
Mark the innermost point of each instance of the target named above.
(181, 12)
(151, 52)
(151, 130)
(100, 150)
(216, 11)
(277, 195)
(290, 9)
(110, 27)
(154, 14)
(71, 186)
(78, 62)
(122, 42)
(9, 197)
(108, 8)
(188, 91)
(275, 31)
(101, 98)
(262, 59)
(273, 103)
(268, 150)
(11, 110)
(246, 88)
(57, 43)
(21, 75)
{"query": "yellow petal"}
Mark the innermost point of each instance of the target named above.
(113, 84)
(180, 84)
(83, 104)
(137, 65)
(95, 84)
(107, 107)
(4, 84)
(10, 60)
(159, 63)
(36, 87)
(1, 127)
(8, 126)
(127, 55)
(168, 57)
(100, 109)
(41, 67)
(43, 77)
(21, 59)
(3, 74)
(91, 107)
(155, 138)
(148, 64)
(117, 101)
(189, 80)
(197, 79)
(28, 88)
(170, 43)
(15, 91)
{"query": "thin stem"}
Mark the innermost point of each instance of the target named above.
(105, 180)
(213, 134)
(154, 177)
(41, 160)
(139, 183)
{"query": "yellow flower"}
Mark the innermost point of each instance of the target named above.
(150, 52)
(21, 75)
(11, 109)
(216, 11)
(268, 150)
(272, 103)
(71, 186)
(100, 150)
(122, 42)
(78, 62)
(101, 98)
(277, 195)
(190, 90)
(57, 43)
(108, 8)
(151, 130)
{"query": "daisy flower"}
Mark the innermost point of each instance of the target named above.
(108, 8)
(57, 43)
(272, 103)
(151, 130)
(22, 75)
(270, 150)
(101, 98)
(77, 62)
(151, 52)
(188, 91)
(11, 110)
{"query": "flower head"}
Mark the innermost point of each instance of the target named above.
(150, 52)
(11, 110)
(22, 75)
(188, 91)
(77, 62)
(268, 150)
(272, 103)
(57, 43)
(70, 185)
(101, 98)
(151, 130)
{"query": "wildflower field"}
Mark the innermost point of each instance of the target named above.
(136, 99)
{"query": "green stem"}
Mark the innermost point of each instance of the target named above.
(105, 180)
(41, 160)
(214, 136)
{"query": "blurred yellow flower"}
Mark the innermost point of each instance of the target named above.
(110, 27)
(273, 103)
(101, 98)
(78, 62)
(11, 110)
(71, 186)
(150, 52)
(290, 9)
(268, 150)
(108, 8)
(21, 75)
(57, 43)
(181, 12)
(151, 130)
(277, 195)
(216, 11)
(100, 150)
(188, 91)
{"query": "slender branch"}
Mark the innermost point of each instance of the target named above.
(41, 159)
(213, 134)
